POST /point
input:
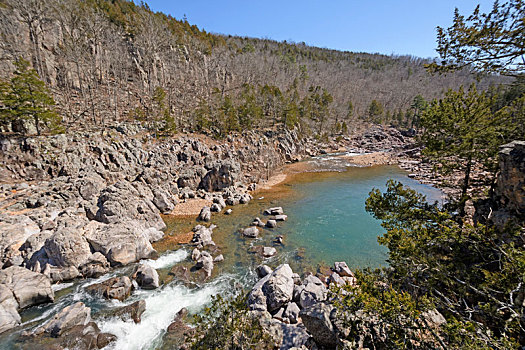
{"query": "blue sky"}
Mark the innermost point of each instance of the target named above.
(385, 26)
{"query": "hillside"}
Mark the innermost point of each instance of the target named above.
(111, 60)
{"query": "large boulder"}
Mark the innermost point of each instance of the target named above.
(312, 291)
(146, 277)
(70, 316)
(14, 231)
(66, 248)
(9, 317)
(205, 262)
(133, 311)
(121, 244)
(28, 287)
(251, 232)
(273, 291)
(316, 318)
(342, 269)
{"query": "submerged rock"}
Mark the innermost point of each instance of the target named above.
(251, 232)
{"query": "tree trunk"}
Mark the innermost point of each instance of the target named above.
(465, 186)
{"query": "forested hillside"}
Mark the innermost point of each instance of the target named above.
(111, 60)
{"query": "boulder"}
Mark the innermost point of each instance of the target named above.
(313, 291)
(121, 244)
(146, 277)
(216, 208)
(162, 201)
(337, 280)
(195, 254)
(271, 223)
(257, 222)
(263, 270)
(205, 262)
(9, 317)
(251, 232)
(121, 203)
(114, 288)
(268, 251)
(132, 311)
(28, 287)
(292, 312)
(218, 258)
(274, 211)
(70, 316)
(280, 217)
(202, 236)
(316, 318)
(205, 214)
(278, 289)
(96, 266)
(342, 269)
(61, 274)
(228, 212)
(220, 202)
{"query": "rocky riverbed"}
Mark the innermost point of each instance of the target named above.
(79, 206)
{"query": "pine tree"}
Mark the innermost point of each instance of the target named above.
(26, 98)
(461, 129)
(375, 111)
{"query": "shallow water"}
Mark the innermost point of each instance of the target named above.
(326, 222)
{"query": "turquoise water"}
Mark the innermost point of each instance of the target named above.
(328, 219)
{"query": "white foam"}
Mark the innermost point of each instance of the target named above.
(161, 307)
(60, 286)
(167, 260)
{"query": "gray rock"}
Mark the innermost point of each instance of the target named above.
(337, 280)
(133, 311)
(251, 232)
(274, 211)
(146, 277)
(268, 251)
(218, 258)
(121, 244)
(342, 269)
(271, 223)
(221, 176)
(313, 292)
(220, 201)
(96, 266)
(195, 254)
(61, 274)
(263, 270)
(280, 217)
(162, 201)
(228, 212)
(114, 288)
(67, 247)
(257, 222)
(70, 316)
(316, 318)
(216, 208)
(205, 214)
(9, 317)
(28, 287)
(202, 236)
(279, 287)
(205, 262)
(292, 312)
